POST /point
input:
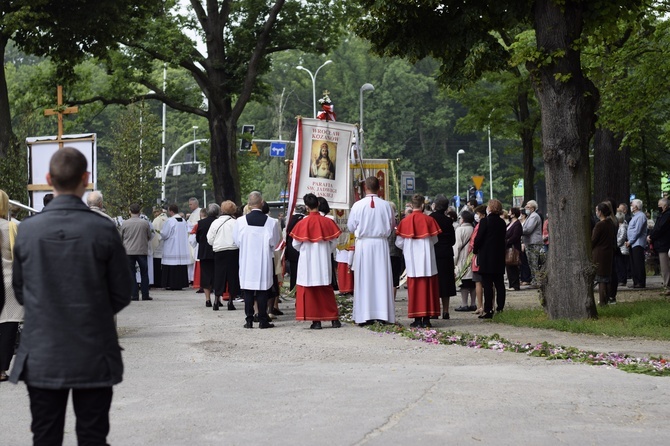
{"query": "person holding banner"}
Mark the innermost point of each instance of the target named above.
(315, 237)
(371, 220)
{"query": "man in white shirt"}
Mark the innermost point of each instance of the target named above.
(256, 235)
(371, 220)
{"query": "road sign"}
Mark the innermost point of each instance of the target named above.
(479, 195)
(477, 180)
(278, 149)
(407, 181)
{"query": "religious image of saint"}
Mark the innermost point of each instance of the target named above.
(322, 165)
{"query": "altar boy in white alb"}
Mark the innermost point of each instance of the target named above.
(257, 236)
(371, 220)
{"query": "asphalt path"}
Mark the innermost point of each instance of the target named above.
(197, 377)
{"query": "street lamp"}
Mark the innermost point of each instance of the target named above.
(490, 158)
(204, 192)
(195, 127)
(458, 190)
(313, 76)
(365, 87)
(164, 130)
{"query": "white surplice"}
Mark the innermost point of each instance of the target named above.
(176, 250)
(373, 280)
(257, 244)
(314, 267)
(419, 255)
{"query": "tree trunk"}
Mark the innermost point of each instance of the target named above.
(567, 101)
(526, 135)
(6, 132)
(611, 170)
(223, 156)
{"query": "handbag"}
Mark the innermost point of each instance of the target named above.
(512, 257)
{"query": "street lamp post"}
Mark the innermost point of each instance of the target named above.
(204, 191)
(490, 158)
(195, 127)
(365, 87)
(458, 190)
(313, 76)
(163, 173)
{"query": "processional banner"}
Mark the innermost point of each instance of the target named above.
(321, 162)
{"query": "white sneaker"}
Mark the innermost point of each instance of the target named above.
(238, 299)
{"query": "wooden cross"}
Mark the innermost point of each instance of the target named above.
(60, 110)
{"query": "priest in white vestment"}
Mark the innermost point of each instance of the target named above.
(257, 236)
(176, 251)
(371, 220)
(315, 237)
(157, 244)
(417, 235)
(193, 219)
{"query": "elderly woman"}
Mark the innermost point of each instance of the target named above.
(463, 259)
(513, 240)
(603, 242)
(226, 254)
(12, 312)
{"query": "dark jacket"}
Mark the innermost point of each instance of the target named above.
(490, 245)
(205, 251)
(71, 274)
(290, 252)
(513, 235)
(660, 236)
(603, 241)
(447, 238)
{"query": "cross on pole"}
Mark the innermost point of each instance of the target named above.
(60, 110)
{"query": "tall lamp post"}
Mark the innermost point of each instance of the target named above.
(365, 87)
(458, 189)
(164, 129)
(313, 76)
(204, 192)
(195, 127)
(490, 158)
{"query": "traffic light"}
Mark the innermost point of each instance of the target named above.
(472, 193)
(245, 142)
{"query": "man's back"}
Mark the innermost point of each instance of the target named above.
(136, 233)
(256, 236)
(71, 274)
(366, 220)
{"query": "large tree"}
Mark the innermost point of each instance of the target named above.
(66, 31)
(239, 38)
(463, 35)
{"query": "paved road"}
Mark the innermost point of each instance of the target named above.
(196, 377)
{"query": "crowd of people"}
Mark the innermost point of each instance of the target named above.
(86, 266)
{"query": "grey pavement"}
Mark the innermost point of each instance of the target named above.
(196, 377)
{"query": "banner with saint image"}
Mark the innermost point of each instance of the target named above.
(321, 162)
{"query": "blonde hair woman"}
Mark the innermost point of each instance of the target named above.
(12, 312)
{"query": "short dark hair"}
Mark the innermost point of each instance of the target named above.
(134, 208)
(66, 168)
(173, 208)
(468, 217)
(515, 211)
(311, 201)
(604, 208)
(372, 184)
(441, 203)
(452, 215)
(265, 208)
(323, 205)
(481, 209)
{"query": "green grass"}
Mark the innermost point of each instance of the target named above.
(647, 319)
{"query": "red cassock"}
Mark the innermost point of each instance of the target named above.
(315, 303)
(423, 292)
(345, 277)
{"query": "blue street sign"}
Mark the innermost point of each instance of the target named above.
(479, 195)
(457, 202)
(278, 149)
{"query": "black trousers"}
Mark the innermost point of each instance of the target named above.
(261, 298)
(157, 272)
(513, 276)
(227, 273)
(488, 282)
(8, 331)
(293, 273)
(637, 266)
(91, 407)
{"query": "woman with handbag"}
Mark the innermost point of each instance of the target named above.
(513, 243)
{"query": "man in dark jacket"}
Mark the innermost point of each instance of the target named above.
(72, 276)
(490, 249)
(660, 240)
